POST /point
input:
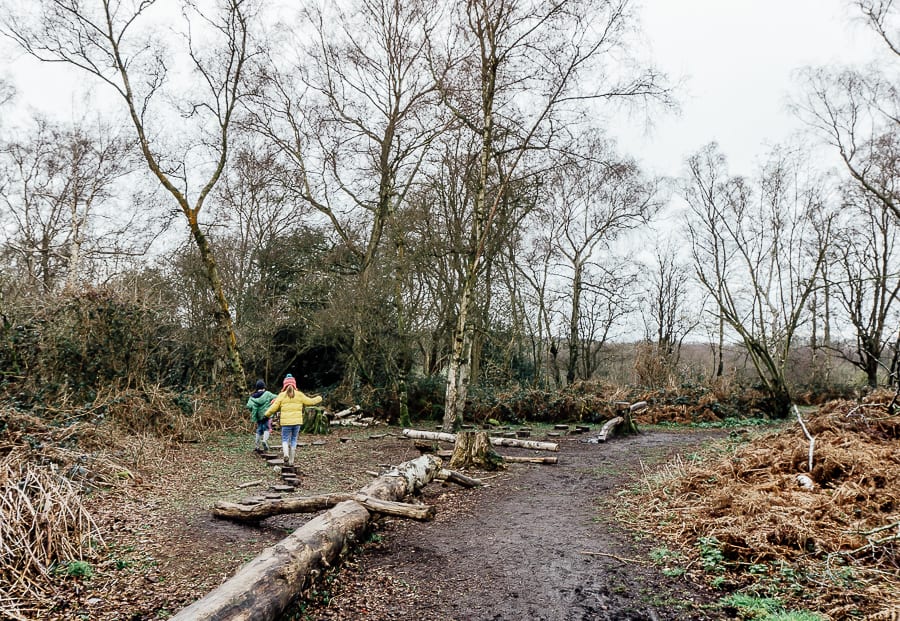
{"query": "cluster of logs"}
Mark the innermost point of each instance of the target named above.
(263, 588)
(351, 417)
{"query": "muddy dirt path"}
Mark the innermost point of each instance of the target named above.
(539, 543)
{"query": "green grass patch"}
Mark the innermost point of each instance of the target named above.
(753, 608)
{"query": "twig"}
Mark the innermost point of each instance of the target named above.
(878, 529)
(250, 484)
(613, 556)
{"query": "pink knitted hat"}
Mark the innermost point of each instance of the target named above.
(289, 381)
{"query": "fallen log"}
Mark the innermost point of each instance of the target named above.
(264, 587)
(354, 421)
(311, 504)
(516, 459)
(452, 476)
(345, 413)
(608, 427)
(451, 437)
(528, 444)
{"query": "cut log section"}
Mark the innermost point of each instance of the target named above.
(263, 588)
(311, 504)
(495, 441)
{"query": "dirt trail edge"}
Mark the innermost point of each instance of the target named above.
(521, 549)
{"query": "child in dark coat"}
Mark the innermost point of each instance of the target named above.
(258, 403)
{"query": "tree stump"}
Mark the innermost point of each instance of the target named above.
(473, 450)
(315, 421)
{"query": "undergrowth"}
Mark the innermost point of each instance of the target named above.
(735, 517)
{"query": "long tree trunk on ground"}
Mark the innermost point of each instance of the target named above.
(264, 587)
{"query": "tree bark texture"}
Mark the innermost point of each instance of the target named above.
(263, 588)
(473, 450)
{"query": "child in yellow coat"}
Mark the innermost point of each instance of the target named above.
(290, 402)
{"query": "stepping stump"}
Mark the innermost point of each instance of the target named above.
(561, 427)
(253, 500)
(523, 433)
(276, 462)
(553, 434)
(283, 488)
(274, 496)
(508, 434)
(319, 443)
(377, 436)
(344, 439)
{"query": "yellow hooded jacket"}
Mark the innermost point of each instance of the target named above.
(291, 407)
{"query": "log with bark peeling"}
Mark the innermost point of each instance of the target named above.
(345, 413)
(495, 441)
(263, 588)
(310, 504)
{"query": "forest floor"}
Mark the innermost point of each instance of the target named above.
(538, 542)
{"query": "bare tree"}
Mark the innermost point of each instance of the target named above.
(664, 305)
(608, 297)
(102, 38)
(538, 254)
(883, 16)
(595, 199)
(757, 251)
(56, 183)
(857, 111)
(355, 117)
(511, 72)
(865, 277)
(706, 191)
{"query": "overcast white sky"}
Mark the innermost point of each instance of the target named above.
(735, 59)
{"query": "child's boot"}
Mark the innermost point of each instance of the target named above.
(293, 453)
(265, 440)
(256, 443)
(285, 450)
